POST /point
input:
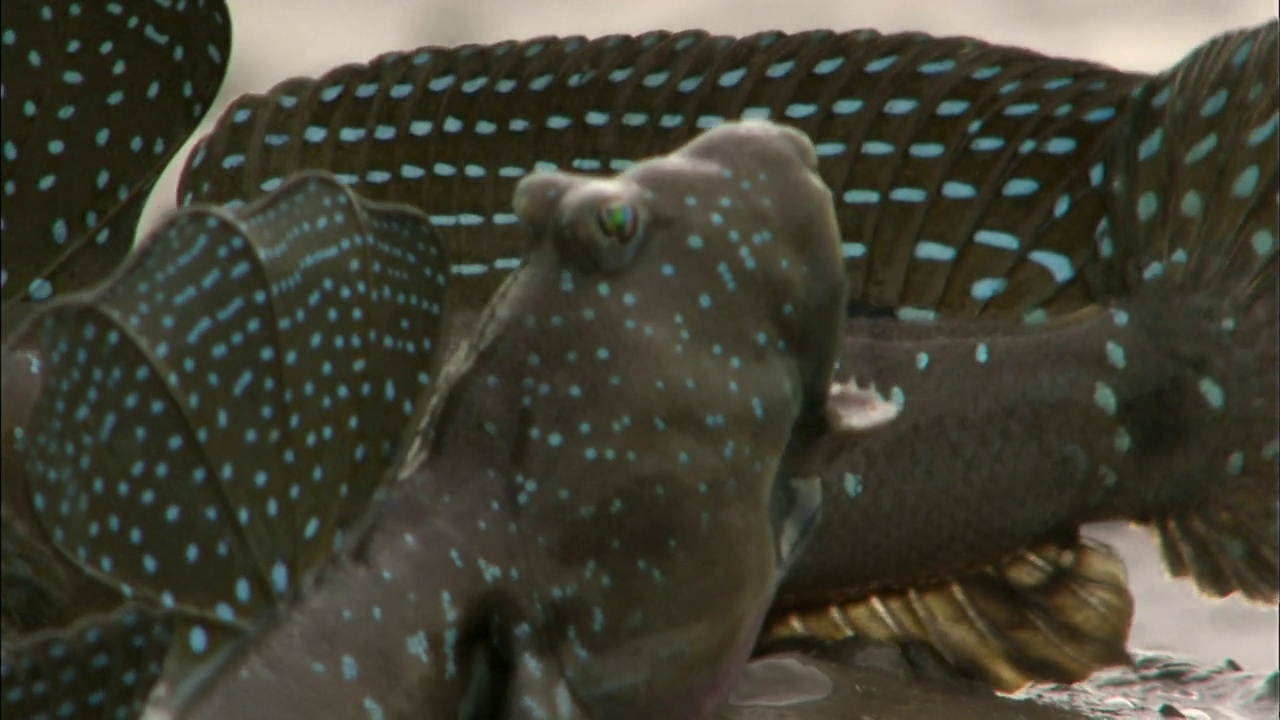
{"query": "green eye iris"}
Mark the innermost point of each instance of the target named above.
(619, 221)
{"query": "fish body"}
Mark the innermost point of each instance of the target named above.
(1036, 277)
(599, 466)
(1157, 404)
(908, 118)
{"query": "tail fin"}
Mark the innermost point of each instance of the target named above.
(1196, 200)
(1053, 614)
(104, 666)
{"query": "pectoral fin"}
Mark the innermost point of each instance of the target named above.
(104, 666)
(1055, 613)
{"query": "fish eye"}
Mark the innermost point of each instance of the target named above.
(619, 220)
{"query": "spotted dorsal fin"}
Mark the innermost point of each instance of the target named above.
(960, 169)
(98, 97)
(218, 411)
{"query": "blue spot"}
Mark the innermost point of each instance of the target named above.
(1058, 145)
(950, 108)
(900, 106)
(828, 66)
(689, 84)
(198, 640)
(936, 251)
(1150, 145)
(846, 107)
(1116, 355)
(1212, 392)
(656, 79)
(1264, 131)
(1105, 398)
(916, 315)
(1020, 187)
(880, 64)
(876, 147)
(1061, 206)
(986, 288)
(1264, 242)
(797, 111)
(937, 66)
(851, 250)
(997, 239)
(861, 197)
(907, 194)
(1021, 109)
(331, 93)
(1148, 204)
(1058, 265)
(780, 69)
(829, 149)
(1101, 114)
(1192, 204)
(1246, 182)
(926, 150)
(982, 353)
(730, 78)
(852, 485)
(1214, 104)
(958, 190)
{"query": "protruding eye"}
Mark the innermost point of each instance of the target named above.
(620, 221)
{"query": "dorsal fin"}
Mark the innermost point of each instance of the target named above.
(960, 169)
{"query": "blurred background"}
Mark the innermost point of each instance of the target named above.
(277, 39)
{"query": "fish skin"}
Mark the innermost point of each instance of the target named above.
(101, 666)
(869, 311)
(1006, 252)
(208, 321)
(1057, 396)
(1157, 406)
(98, 99)
(578, 570)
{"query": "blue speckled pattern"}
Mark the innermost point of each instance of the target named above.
(593, 496)
(959, 167)
(103, 666)
(1158, 405)
(1197, 200)
(217, 413)
(97, 98)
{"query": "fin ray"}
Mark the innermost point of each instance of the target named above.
(1053, 614)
